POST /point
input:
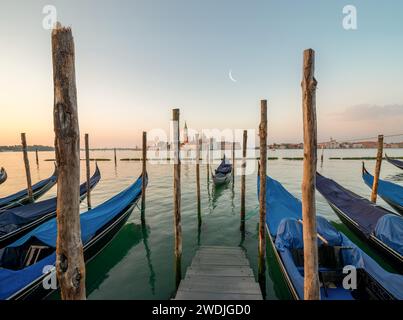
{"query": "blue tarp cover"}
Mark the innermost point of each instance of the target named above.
(13, 219)
(24, 193)
(362, 211)
(389, 230)
(389, 191)
(12, 281)
(283, 212)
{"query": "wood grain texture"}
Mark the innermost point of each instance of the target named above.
(177, 197)
(70, 265)
(88, 169)
(243, 181)
(27, 168)
(311, 279)
(262, 193)
(379, 154)
(219, 273)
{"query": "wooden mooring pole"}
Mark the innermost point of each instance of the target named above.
(198, 176)
(37, 157)
(114, 156)
(70, 265)
(208, 163)
(243, 192)
(87, 169)
(321, 156)
(233, 162)
(379, 156)
(262, 193)
(27, 168)
(144, 173)
(311, 279)
(177, 197)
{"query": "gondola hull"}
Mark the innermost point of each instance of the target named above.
(3, 175)
(36, 290)
(219, 180)
(389, 254)
(280, 263)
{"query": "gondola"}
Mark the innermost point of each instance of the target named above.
(22, 262)
(395, 162)
(3, 175)
(20, 198)
(335, 251)
(223, 173)
(379, 227)
(390, 192)
(16, 222)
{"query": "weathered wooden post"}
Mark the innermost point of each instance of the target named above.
(377, 169)
(222, 147)
(37, 157)
(262, 191)
(114, 156)
(208, 163)
(70, 265)
(245, 138)
(177, 197)
(27, 168)
(87, 169)
(311, 279)
(144, 174)
(321, 156)
(233, 162)
(198, 174)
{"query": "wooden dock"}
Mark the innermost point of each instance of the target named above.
(219, 273)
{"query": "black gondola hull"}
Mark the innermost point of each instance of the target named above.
(391, 256)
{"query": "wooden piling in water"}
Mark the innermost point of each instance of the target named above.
(87, 169)
(37, 157)
(321, 156)
(377, 169)
(27, 168)
(177, 197)
(198, 173)
(243, 191)
(233, 162)
(70, 266)
(114, 156)
(262, 193)
(311, 279)
(144, 173)
(208, 163)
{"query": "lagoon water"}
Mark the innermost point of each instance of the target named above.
(139, 262)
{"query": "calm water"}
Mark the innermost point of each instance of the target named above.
(138, 263)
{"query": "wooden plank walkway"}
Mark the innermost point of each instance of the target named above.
(219, 273)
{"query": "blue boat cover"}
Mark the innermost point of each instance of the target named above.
(11, 281)
(389, 191)
(24, 193)
(15, 218)
(288, 235)
(362, 211)
(389, 230)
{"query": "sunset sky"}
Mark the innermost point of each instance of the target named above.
(136, 60)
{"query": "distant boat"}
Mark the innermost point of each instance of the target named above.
(22, 262)
(223, 172)
(20, 198)
(395, 162)
(390, 192)
(335, 251)
(379, 227)
(16, 222)
(3, 175)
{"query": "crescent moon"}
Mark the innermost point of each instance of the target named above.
(231, 77)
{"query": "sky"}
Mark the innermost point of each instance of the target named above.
(136, 60)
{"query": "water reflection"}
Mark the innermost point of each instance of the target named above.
(145, 230)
